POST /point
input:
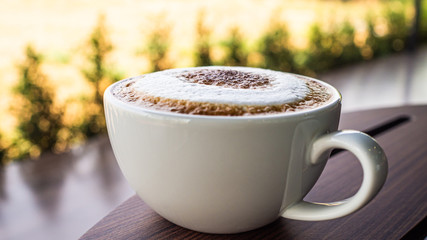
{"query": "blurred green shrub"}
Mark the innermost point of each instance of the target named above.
(327, 49)
(275, 48)
(398, 26)
(376, 44)
(346, 48)
(320, 49)
(391, 35)
(157, 47)
(234, 47)
(40, 121)
(423, 21)
(203, 43)
(99, 75)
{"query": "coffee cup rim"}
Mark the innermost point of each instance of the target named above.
(336, 98)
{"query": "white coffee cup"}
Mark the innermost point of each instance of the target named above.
(220, 174)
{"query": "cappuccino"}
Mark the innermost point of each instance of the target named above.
(226, 91)
(245, 168)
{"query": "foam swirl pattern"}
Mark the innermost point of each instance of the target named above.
(232, 91)
(282, 88)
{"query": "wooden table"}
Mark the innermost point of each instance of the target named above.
(398, 211)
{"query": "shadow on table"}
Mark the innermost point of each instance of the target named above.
(60, 195)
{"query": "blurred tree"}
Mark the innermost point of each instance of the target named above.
(388, 36)
(328, 49)
(319, 50)
(423, 21)
(40, 120)
(157, 46)
(203, 44)
(235, 52)
(397, 25)
(275, 47)
(376, 43)
(345, 50)
(99, 76)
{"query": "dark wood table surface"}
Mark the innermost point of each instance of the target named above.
(398, 212)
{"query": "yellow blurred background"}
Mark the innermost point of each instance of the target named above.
(60, 31)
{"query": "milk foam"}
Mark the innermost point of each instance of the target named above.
(282, 88)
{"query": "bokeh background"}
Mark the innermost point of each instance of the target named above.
(57, 57)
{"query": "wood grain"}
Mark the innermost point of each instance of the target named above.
(399, 208)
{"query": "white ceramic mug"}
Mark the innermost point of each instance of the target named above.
(219, 174)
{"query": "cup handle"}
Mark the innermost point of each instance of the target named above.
(374, 165)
